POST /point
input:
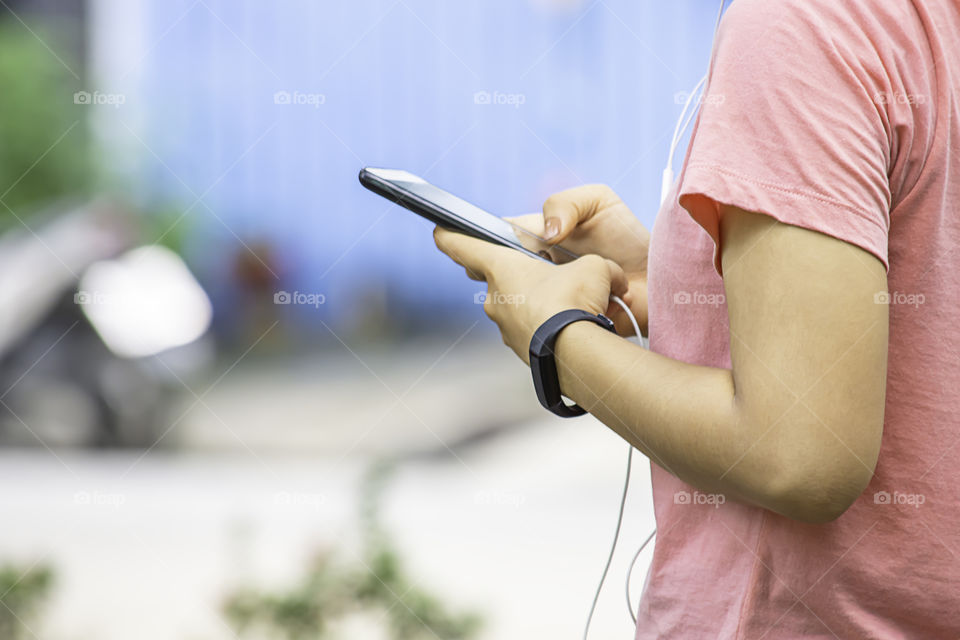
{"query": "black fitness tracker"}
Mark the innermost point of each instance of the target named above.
(543, 365)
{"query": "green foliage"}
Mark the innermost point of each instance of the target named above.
(169, 225)
(36, 110)
(301, 613)
(378, 584)
(22, 592)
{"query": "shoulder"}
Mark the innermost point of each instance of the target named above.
(828, 41)
(858, 22)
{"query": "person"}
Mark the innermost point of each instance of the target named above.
(800, 289)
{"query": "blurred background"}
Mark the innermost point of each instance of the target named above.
(242, 397)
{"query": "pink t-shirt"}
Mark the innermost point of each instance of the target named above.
(841, 116)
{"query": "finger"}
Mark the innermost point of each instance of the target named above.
(619, 285)
(620, 320)
(473, 254)
(532, 222)
(529, 230)
(563, 211)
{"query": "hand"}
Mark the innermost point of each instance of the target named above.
(523, 292)
(593, 219)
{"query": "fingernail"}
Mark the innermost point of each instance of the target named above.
(551, 229)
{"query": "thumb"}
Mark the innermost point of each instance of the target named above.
(559, 219)
(563, 211)
(532, 222)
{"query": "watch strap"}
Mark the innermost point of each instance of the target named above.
(543, 364)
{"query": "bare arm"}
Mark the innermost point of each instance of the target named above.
(795, 426)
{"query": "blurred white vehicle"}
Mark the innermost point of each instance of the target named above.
(97, 339)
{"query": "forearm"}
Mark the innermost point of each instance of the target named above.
(794, 427)
(685, 418)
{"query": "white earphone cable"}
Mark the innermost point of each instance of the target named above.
(633, 563)
(666, 184)
(613, 547)
(694, 98)
(684, 120)
(626, 487)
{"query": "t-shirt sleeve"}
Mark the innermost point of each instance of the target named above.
(791, 125)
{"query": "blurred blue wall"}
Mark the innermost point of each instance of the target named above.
(398, 80)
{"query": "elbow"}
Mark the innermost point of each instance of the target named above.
(822, 494)
(820, 505)
(814, 475)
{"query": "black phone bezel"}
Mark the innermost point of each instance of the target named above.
(435, 213)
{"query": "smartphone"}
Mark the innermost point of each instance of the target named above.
(447, 210)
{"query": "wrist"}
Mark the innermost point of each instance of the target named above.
(545, 364)
(572, 337)
(539, 317)
(572, 341)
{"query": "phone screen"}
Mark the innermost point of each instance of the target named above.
(446, 209)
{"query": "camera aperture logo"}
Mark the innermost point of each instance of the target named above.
(499, 98)
(84, 297)
(698, 498)
(299, 98)
(699, 298)
(898, 97)
(96, 98)
(97, 499)
(299, 499)
(299, 298)
(897, 498)
(899, 298)
(512, 299)
(682, 97)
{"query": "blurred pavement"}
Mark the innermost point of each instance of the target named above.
(515, 525)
